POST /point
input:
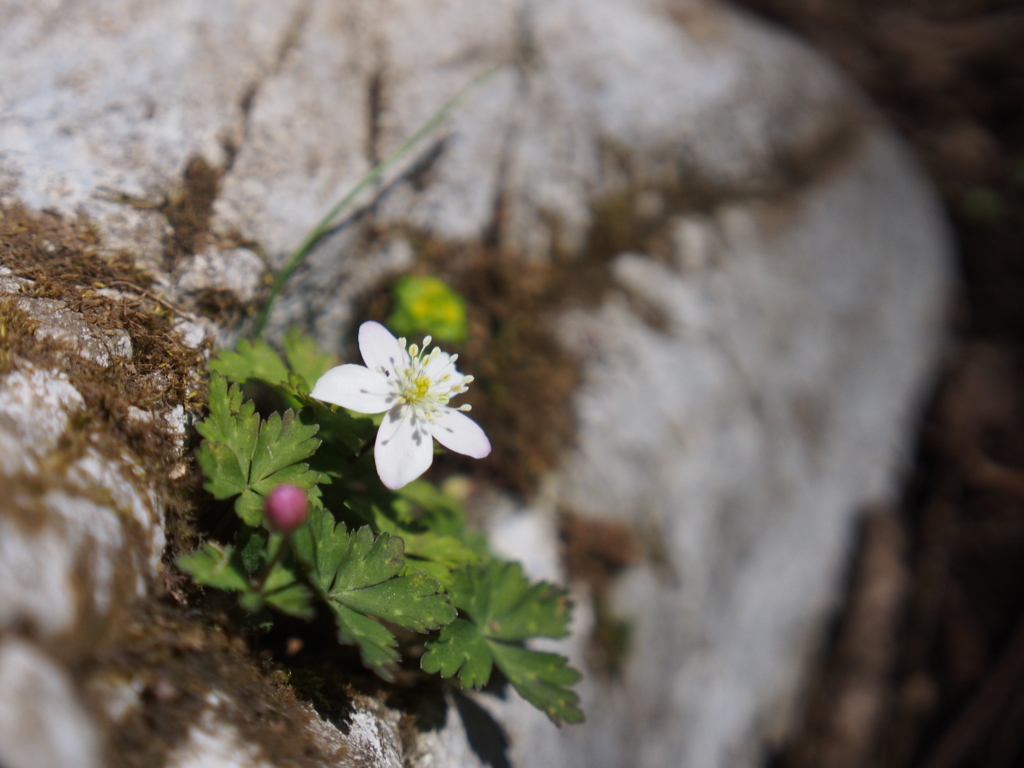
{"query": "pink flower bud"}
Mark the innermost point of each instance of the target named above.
(286, 507)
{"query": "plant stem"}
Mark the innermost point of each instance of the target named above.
(285, 544)
(296, 259)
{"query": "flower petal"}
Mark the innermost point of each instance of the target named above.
(355, 387)
(435, 366)
(381, 350)
(459, 433)
(404, 449)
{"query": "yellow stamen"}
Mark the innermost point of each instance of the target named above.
(422, 384)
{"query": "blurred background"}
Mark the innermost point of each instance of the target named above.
(926, 664)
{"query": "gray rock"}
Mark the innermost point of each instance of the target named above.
(54, 320)
(744, 438)
(42, 722)
(802, 308)
(80, 535)
(213, 742)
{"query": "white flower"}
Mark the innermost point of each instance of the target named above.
(414, 387)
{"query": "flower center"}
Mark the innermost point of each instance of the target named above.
(425, 393)
(422, 384)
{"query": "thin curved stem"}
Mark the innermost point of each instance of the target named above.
(307, 245)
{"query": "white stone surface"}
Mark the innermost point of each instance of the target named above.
(744, 439)
(211, 744)
(372, 738)
(34, 410)
(238, 270)
(689, 94)
(42, 723)
(78, 533)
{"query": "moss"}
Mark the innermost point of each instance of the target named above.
(190, 209)
(223, 306)
(16, 332)
(595, 552)
(179, 658)
(60, 258)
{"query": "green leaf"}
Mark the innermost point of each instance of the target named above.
(231, 431)
(227, 568)
(461, 647)
(305, 359)
(499, 610)
(253, 360)
(421, 504)
(542, 679)
(282, 444)
(258, 361)
(438, 556)
(340, 432)
(216, 565)
(431, 523)
(428, 305)
(499, 597)
(360, 578)
(244, 458)
(294, 600)
(375, 642)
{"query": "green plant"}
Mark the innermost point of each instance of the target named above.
(373, 554)
(374, 557)
(427, 305)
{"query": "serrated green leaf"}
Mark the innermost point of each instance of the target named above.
(432, 525)
(294, 599)
(359, 577)
(541, 679)
(499, 597)
(231, 431)
(460, 647)
(252, 360)
(437, 571)
(447, 550)
(258, 361)
(216, 565)
(375, 642)
(499, 609)
(321, 544)
(437, 556)
(244, 458)
(282, 441)
(227, 568)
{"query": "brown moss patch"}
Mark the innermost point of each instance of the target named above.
(17, 333)
(178, 660)
(223, 306)
(595, 552)
(190, 209)
(60, 258)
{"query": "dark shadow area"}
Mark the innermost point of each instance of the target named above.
(486, 737)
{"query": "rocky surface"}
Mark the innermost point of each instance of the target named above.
(78, 546)
(773, 305)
